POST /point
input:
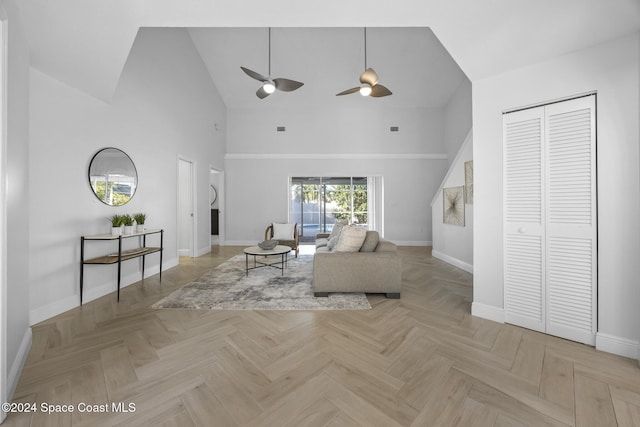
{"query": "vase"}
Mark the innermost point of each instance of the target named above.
(128, 229)
(116, 231)
(139, 228)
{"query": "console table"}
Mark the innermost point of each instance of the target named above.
(117, 257)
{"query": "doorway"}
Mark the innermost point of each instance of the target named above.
(186, 211)
(216, 200)
(318, 202)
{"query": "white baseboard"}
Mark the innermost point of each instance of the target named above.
(397, 242)
(487, 312)
(39, 314)
(239, 242)
(604, 342)
(412, 242)
(453, 261)
(617, 345)
(18, 364)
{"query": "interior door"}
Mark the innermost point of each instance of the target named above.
(523, 213)
(571, 228)
(186, 216)
(550, 234)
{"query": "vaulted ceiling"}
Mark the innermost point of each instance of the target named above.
(411, 62)
(86, 43)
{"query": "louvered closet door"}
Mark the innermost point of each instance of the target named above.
(523, 212)
(550, 231)
(571, 270)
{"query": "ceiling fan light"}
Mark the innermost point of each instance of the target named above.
(269, 87)
(365, 89)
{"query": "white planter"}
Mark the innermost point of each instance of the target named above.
(116, 231)
(128, 229)
(139, 228)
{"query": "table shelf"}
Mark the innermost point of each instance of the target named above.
(121, 255)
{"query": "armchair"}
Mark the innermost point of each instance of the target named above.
(285, 234)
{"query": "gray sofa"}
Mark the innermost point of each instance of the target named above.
(374, 269)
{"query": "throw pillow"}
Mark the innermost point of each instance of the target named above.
(331, 244)
(351, 239)
(337, 227)
(283, 231)
(370, 241)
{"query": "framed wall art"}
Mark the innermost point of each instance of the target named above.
(468, 182)
(453, 209)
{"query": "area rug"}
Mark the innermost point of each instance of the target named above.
(228, 287)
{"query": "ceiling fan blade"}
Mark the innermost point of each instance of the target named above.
(348, 91)
(379, 91)
(287, 85)
(261, 93)
(254, 75)
(369, 76)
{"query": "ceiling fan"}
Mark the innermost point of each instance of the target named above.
(369, 85)
(270, 85)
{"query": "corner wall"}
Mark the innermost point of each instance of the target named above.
(452, 243)
(612, 70)
(458, 119)
(18, 333)
(165, 106)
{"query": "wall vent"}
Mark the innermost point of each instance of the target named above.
(394, 129)
(281, 129)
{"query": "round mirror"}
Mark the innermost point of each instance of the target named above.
(113, 176)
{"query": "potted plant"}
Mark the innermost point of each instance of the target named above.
(116, 224)
(127, 221)
(140, 219)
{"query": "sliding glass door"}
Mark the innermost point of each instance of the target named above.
(318, 202)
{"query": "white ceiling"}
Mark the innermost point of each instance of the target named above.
(85, 43)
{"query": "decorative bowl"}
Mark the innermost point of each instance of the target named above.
(268, 244)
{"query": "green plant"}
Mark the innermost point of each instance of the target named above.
(140, 218)
(116, 220)
(127, 220)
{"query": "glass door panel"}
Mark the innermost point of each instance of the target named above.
(317, 203)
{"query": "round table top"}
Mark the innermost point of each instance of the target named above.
(257, 250)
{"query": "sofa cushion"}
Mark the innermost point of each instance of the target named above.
(337, 227)
(283, 231)
(370, 241)
(351, 239)
(321, 242)
(331, 244)
(322, 249)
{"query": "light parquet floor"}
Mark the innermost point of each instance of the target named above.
(422, 360)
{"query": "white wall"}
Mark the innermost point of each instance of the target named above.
(333, 141)
(18, 333)
(257, 193)
(452, 243)
(165, 107)
(336, 129)
(612, 70)
(457, 119)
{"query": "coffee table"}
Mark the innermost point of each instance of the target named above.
(257, 251)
